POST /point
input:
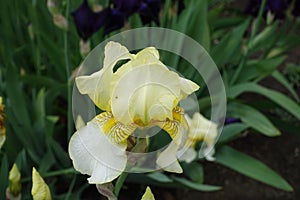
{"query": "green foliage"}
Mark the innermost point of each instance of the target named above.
(36, 64)
(251, 167)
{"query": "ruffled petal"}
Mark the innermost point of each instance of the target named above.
(94, 154)
(98, 85)
(187, 87)
(143, 91)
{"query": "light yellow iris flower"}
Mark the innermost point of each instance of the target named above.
(141, 93)
(200, 129)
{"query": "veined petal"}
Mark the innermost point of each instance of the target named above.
(176, 125)
(176, 128)
(94, 153)
(98, 85)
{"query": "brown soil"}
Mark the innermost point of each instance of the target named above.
(280, 153)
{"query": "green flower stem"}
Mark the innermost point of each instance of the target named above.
(53, 173)
(71, 188)
(120, 183)
(253, 33)
(67, 65)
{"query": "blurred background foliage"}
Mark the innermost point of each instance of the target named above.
(38, 61)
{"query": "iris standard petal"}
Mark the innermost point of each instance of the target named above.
(98, 84)
(187, 87)
(154, 88)
(94, 154)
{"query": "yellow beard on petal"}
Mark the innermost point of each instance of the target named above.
(172, 126)
(116, 131)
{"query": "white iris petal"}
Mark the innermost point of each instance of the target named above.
(94, 154)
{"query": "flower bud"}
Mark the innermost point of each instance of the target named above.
(52, 7)
(40, 189)
(60, 21)
(14, 189)
(85, 47)
(148, 195)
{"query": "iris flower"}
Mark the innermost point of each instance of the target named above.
(200, 129)
(114, 16)
(231, 120)
(128, 7)
(147, 9)
(141, 93)
(276, 7)
(88, 22)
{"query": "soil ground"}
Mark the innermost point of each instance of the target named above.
(280, 153)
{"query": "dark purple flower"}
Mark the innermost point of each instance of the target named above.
(115, 20)
(88, 22)
(296, 9)
(231, 120)
(128, 7)
(149, 11)
(181, 6)
(276, 7)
